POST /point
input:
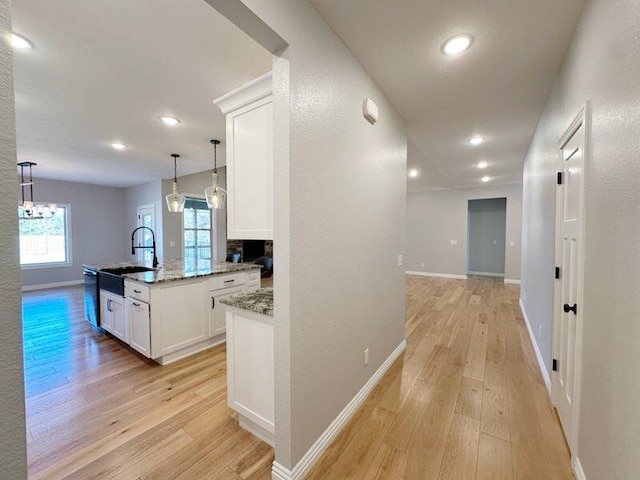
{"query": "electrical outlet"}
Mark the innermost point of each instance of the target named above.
(453, 242)
(540, 332)
(366, 356)
(172, 243)
(399, 260)
(512, 243)
(422, 264)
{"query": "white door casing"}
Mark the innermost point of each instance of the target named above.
(568, 301)
(146, 218)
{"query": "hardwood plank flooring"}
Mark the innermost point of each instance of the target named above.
(98, 410)
(465, 401)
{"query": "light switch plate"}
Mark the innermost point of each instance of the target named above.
(399, 260)
(453, 242)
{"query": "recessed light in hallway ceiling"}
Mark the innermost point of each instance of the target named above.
(20, 43)
(413, 173)
(457, 44)
(169, 120)
(485, 179)
(482, 164)
(476, 140)
(118, 145)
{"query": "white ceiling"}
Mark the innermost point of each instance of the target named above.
(106, 70)
(497, 88)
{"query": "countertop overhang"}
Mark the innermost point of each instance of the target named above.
(259, 301)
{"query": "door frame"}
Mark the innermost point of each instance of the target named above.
(506, 251)
(583, 118)
(139, 213)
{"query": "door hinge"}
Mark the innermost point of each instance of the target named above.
(557, 273)
(560, 178)
(555, 365)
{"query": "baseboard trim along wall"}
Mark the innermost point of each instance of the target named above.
(486, 274)
(43, 286)
(317, 449)
(440, 275)
(577, 469)
(541, 364)
(513, 281)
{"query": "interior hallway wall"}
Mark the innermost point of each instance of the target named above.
(13, 442)
(98, 230)
(603, 65)
(434, 219)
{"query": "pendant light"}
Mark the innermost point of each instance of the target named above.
(216, 195)
(175, 200)
(28, 210)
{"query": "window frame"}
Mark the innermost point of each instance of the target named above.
(211, 230)
(68, 242)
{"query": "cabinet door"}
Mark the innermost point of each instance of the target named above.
(139, 326)
(118, 323)
(106, 317)
(250, 171)
(217, 318)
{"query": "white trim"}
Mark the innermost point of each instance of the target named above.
(486, 274)
(317, 449)
(44, 286)
(541, 364)
(246, 94)
(439, 275)
(67, 244)
(577, 469)
(513, 281)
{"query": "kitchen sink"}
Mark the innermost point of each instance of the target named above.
(111, 280)
(125, 270)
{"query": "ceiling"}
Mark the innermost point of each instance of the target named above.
(103, 71)
(496, 89)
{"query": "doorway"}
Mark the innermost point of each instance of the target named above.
(487, 226)
(146, 218)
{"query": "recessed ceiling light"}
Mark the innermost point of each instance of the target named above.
(485, 179)
(169, 120)
(413, 173)
(20, 43)
(482, 164)
(457, 44)
(118, 145)
(476, 140)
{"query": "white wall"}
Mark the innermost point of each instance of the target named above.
(13, 454)
(149, 193)
(98, 228)
(487, 235)
(340, 186)
(194, 186)
(603, 65)
(436, 218)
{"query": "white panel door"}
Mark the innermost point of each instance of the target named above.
(119, 327)
(570, 210)
(146, 218)
(250, 171)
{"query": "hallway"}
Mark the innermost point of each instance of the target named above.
(465, 401)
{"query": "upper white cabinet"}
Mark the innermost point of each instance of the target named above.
(249, 114)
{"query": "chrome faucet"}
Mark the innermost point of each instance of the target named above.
(153, 245)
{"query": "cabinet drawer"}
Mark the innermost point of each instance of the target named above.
(227, 281)
(137, 291)
(253, 276)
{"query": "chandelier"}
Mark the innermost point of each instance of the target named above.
(28, 209)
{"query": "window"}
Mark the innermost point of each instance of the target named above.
(197, 230)
(45, 241)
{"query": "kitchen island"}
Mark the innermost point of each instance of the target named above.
(250, 360)
(171, 312)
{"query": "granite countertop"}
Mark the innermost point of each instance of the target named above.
(174, 270)
(258, 301)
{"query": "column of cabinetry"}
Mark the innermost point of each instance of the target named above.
(249, 122)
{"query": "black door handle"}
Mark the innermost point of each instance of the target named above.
(573, 309)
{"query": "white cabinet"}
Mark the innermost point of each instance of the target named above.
(217, 318)
(250, 371)
(249, 122)
(112, 315)
(139, 326)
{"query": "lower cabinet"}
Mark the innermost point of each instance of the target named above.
(139, 326)
(112, 315)
(217, 318)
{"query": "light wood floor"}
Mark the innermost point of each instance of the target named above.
(465, 401)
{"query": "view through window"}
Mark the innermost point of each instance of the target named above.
(197, 230)
(45, 241)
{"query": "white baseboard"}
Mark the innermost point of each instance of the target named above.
(486, 274)
(577, 469)
(513, 281)
(541, 364)
(317, 449)
(44, 286)
(439, 275)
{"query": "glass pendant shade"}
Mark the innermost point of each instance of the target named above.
(215, 194)
(175, 200)
(28, 208)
